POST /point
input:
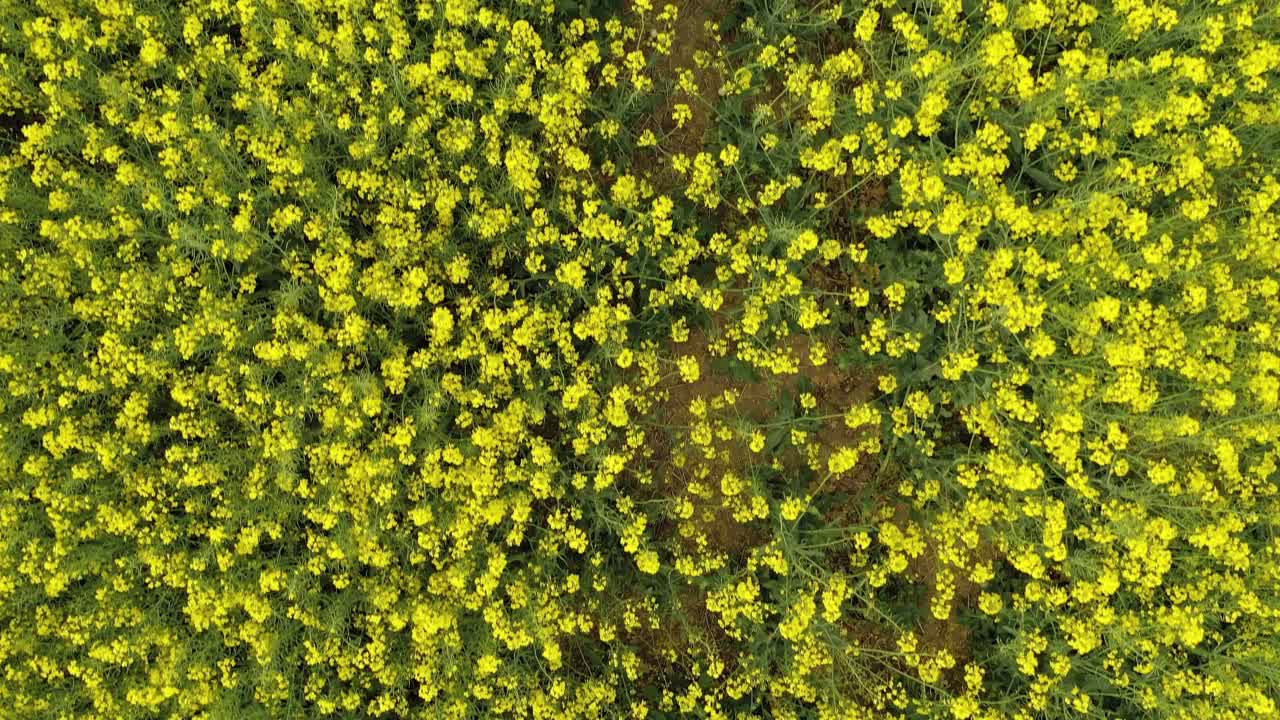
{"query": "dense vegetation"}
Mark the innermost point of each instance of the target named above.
(551, 359)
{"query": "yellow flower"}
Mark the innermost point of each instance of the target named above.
(572, 274)
(688, 367)
(647, 562)
(792, 508)
(681, 114)
(729, 155)
(153, 51)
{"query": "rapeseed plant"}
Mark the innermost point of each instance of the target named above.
(557, 359)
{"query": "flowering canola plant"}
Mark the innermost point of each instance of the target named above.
(567, 359)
